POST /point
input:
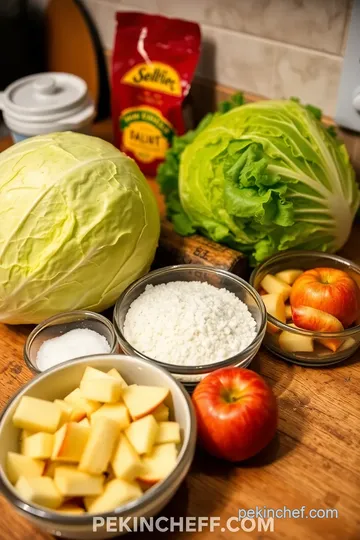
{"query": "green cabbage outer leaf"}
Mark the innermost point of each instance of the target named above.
(79, 223)
(263, 178)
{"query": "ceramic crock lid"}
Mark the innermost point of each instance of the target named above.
(46, 94)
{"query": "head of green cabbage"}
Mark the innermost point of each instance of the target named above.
(79, 223)
(262, 177)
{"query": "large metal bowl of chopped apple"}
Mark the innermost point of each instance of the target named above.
(191, 320)
(106, 437)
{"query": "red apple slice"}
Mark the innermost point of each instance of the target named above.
(316, 320)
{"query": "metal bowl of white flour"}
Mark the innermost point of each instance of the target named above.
(191, 320)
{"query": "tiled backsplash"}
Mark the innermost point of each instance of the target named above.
(274, 48)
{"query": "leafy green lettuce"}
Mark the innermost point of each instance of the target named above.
(262, 178)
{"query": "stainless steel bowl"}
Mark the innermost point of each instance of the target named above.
(192, 374)
(55, 384)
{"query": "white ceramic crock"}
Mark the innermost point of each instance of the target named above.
(46, 103)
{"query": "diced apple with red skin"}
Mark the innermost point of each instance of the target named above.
(293, 343)
(274, 285)
(143, 400)
(275, 306)
(316, 320)
(77, 400)
(289, 276)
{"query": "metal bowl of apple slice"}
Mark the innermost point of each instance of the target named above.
(313, 306)
(93, 441)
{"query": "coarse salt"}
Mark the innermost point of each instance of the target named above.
(189, 323)
(72, 344)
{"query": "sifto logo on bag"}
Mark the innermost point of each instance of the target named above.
(155, 76)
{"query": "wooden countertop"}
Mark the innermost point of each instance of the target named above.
(314, 460)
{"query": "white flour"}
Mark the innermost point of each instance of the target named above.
(188, 323)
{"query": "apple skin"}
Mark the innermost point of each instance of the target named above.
(330, 290)
(237, 413)
(316, 320)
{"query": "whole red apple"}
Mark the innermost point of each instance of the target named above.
(236, 412)
(330, 290)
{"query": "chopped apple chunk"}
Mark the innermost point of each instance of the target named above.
(105, 390)
(161, 413)
(116, 411)
(168, 432)
(96, 457)
(38, 446)
(85, 422)
(18, 465)
(143, 400)
(114, 373)
(289, 276)
(66, 411)
(116, 493)
(72, 509)
(142, 434)
(40, 490)
(275, 306)
(347, 344)
(50, 467)
(78, 401)
(274, 285)
(126, 462)
(70, 442)
(37, 415)
(74, 483)
(159, 463)
(91, 373)
(291, 342)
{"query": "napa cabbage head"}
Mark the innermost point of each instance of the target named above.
(262, 177)
(79, 223)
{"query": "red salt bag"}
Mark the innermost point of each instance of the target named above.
(153, 65)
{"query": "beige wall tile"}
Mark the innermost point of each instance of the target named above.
(315, 24)
(313, 77)
(237, 60)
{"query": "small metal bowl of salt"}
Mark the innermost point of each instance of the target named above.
(66, 336)
(191, 320)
